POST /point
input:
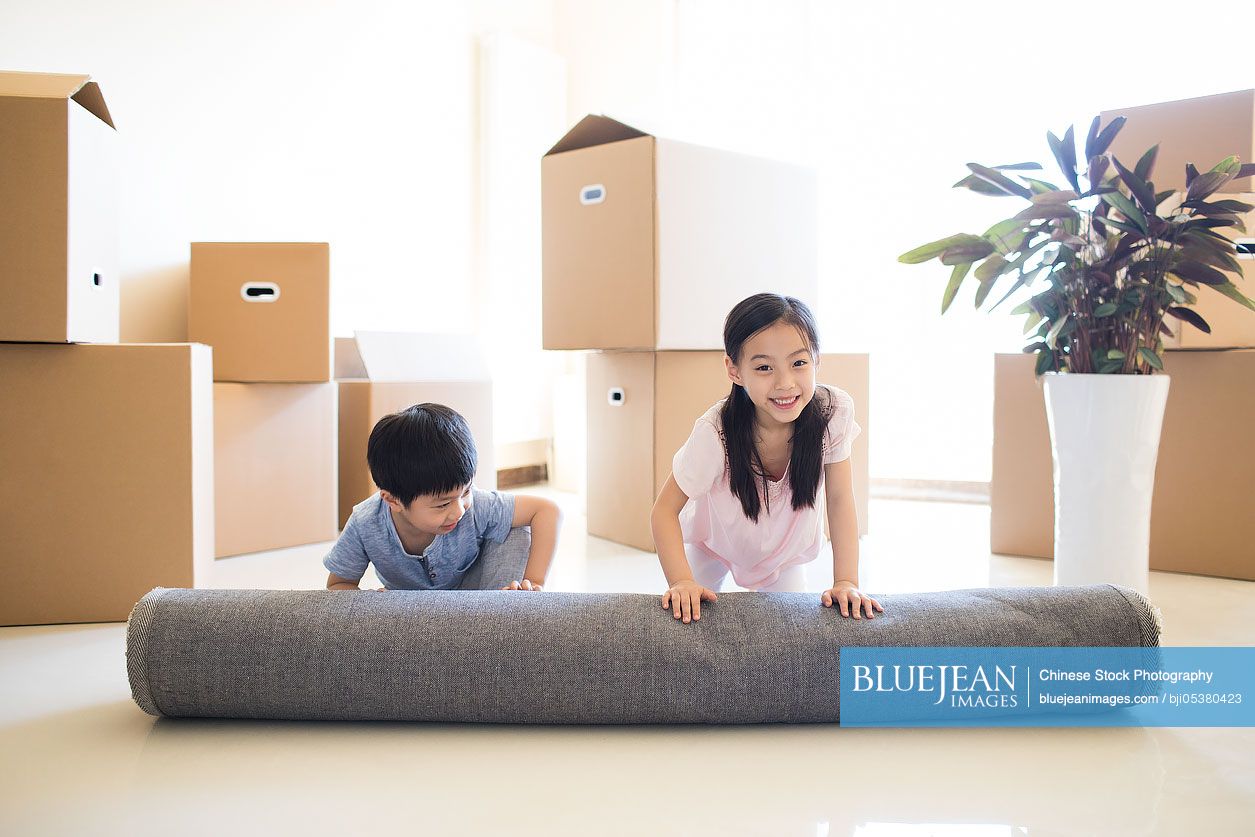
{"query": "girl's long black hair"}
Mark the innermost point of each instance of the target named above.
(745, 467)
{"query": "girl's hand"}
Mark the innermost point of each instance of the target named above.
(849, 598)
(685, 599)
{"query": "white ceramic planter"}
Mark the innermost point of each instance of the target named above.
(1104, 435)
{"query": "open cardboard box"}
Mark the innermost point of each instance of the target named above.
(647, 243)
(58, 211)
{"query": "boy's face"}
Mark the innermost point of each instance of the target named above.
(778, 372)
(433, 514)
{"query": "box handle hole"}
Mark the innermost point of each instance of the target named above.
(616, 396)
(593, 193)
(259, 291)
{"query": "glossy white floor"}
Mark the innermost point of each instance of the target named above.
(78, 757)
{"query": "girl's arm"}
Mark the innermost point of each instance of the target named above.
(684, 595)
(843, 527)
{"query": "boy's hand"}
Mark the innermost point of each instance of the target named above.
(525, 584)
(685, 599)
(849, 598)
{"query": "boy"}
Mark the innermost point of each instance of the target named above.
(427, 528)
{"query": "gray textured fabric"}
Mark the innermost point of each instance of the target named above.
(563, 658)
(499, 563)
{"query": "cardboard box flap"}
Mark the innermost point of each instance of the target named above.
(595, 130)
(404, 357)
(57, 86)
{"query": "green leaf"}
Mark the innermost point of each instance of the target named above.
(1231, 290)
(1146, 163)
(1115, 354)
(1018, 167)
(1150, 357)
(1047, 211)
(1205, 184)
(1108, 367)
(1033, 319)
(1126, 208)
(1000, 180)
(1192, 317)
(1025, 307)
(956, 279)
(1177, 293)
(971, 252)
(933, 249)
(1228, 164)
(1045, 361)
(1105, 310)
(1107, 135)
(1053, 334)
(1006, 236)
(980, 186)
(1223, 207)
(1058, 196)
(991, 268)
(1039, 186)
(1198, 273)
(1138, 187)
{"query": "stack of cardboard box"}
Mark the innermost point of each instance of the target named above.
(264, 308)
(647, 245)
(1205, 474)
(105, 449)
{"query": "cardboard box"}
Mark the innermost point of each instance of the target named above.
(265, 308)
(58, 211)
(274, 466)
(1202, 131)
(107, 489)
(1204, 477)
(641, 410)
(647, 243)
(1232, 325)
(381, 372)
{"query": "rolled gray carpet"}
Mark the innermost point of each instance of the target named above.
(564, 658)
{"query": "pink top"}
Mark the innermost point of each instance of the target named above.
(712, 519)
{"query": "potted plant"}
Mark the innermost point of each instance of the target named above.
(1107, 258)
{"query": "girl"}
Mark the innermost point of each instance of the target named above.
(743, 491)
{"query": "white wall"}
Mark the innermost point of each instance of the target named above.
(273, 120)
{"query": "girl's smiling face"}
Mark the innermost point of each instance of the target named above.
(777, 370)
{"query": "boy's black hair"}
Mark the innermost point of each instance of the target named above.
(745, 468)
(424, 449)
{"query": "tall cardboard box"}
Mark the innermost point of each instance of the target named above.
(1202, 131)
(647, 243)
(384, 372)
(107, 490)
(274, 466)
(1232, 325)
(1204, 478)
(58, 211)
(641, 409)
(265, 309)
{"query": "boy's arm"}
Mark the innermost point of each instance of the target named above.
(843, 527)
(334, 582)
(545, 518)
